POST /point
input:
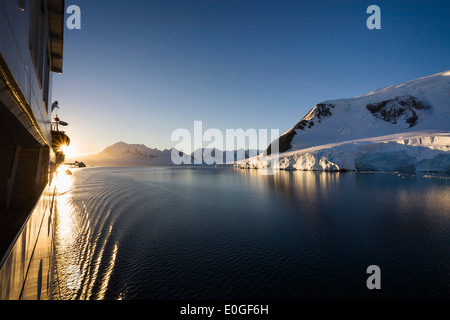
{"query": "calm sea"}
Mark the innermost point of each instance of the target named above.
(203, 233)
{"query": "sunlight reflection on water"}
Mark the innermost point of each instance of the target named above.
(173, 233)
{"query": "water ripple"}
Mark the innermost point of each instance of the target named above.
(152, 233)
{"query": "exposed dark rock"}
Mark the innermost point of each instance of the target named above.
(319, 112)
(400, 108)
(302, 125)
(322, 110)
(284, 142)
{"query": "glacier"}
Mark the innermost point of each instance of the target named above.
(417, 152)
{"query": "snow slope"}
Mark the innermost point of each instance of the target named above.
(404, 127)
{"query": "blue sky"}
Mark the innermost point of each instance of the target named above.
(138, 70)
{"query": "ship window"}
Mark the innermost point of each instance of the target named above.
(37, 38)
(46, 84)
(39, 47)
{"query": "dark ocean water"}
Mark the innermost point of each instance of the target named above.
(202, 233)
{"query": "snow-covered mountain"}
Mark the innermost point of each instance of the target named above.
(124, 154)
(401, 127)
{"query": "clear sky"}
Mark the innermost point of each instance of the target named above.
(138, 70)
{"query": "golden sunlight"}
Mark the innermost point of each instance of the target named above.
(64, 184)
(68, 151)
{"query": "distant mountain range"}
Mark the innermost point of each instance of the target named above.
(124, 154)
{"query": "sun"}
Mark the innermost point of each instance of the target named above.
(67, 151)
